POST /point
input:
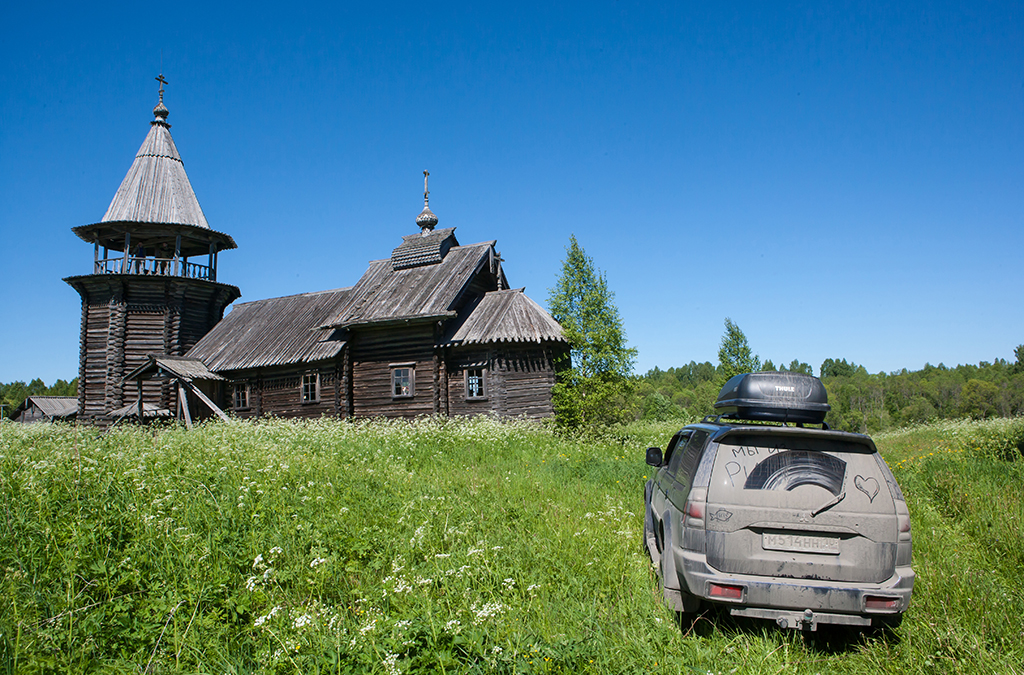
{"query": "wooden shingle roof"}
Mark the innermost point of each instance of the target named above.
(425, 292)
(156, 202)
(156, 188)
(179, 367)
(273, 332)
(53, 407)
(506, 316)
(426, 248)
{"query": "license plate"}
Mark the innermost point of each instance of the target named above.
(800, 543)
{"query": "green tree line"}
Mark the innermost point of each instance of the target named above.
(14, 394)
(861, 401)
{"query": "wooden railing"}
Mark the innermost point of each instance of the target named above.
(174, 267)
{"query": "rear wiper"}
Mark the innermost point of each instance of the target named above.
(829, 504)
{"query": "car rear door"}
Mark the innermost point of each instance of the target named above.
(800, 504)
(664, 479)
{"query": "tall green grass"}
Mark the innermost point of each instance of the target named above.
(443, 547)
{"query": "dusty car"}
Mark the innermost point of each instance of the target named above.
(754, 510)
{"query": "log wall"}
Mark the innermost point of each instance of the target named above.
(278, 392)
(373, 352)
(125, 318)
(518, 380)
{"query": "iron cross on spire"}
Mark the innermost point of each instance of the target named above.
(162, 82)
(426, 192)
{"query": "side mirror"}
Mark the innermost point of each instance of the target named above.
(654, 456)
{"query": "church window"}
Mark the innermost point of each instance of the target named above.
(476, 386)
(241, 398)
(311, 388)
(403, 381)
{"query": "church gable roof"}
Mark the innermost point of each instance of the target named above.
(506, 316)
(156, 188)
(425, 291)
(273, 332)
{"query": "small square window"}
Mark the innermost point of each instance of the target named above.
(311, 387)
(476, 386)
(403, 382)
(241, 397)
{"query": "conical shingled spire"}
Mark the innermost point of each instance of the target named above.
(156, 188)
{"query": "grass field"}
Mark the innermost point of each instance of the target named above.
(444, 547)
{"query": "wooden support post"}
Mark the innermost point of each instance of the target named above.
(213, 406)
(177, 253)
(183, 398)
(138, 401)
(125, 269)
(212, 273)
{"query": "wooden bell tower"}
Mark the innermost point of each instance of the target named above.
(153, 287)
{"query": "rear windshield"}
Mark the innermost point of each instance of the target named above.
(778, 467)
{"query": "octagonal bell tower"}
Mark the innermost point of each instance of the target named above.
(153, 287)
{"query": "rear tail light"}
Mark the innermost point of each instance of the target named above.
(695, 506)
(881, 602)
(723, 592)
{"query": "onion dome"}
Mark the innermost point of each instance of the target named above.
(426, 220)
(160, 111)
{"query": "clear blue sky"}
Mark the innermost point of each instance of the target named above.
(842, 180)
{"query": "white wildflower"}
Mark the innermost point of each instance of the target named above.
(487, 611)
(301, 621)
(260, 621)
(317, 561)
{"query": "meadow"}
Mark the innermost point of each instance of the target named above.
(466, 546)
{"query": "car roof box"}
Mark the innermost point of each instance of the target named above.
(774, 397)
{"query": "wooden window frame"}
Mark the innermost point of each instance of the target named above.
(244, 389)
(483, 383)
(316, 388)
(397, 368)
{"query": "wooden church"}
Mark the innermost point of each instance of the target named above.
(432, 329)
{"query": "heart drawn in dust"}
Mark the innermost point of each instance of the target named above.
(868, 486)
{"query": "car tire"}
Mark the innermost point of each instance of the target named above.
(649, 536)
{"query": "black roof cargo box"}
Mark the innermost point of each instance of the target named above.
(774, 397)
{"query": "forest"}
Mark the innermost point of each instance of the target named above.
(861, 401)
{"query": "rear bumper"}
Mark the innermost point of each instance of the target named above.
(788, 599)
